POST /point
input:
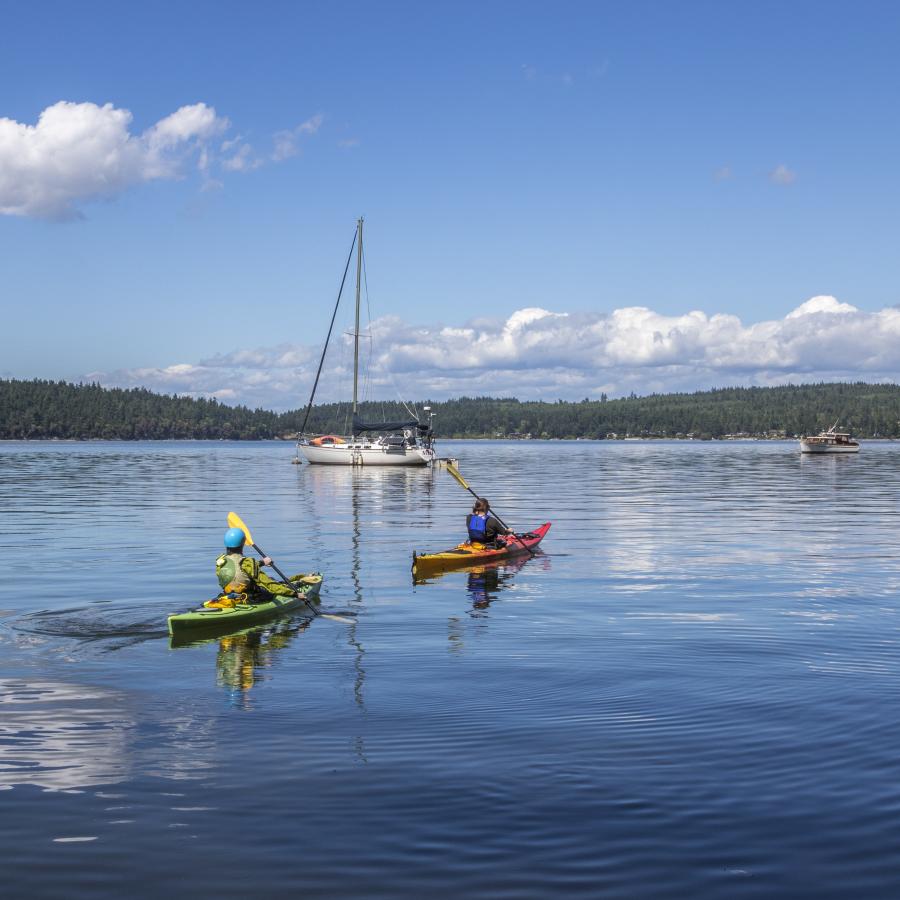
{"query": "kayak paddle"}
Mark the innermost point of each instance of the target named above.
(235, 521)
(456, 474)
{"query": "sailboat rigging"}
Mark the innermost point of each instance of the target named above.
(401, 443)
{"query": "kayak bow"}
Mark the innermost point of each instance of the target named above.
(469, 553)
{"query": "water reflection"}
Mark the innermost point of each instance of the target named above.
(338, 500)
(398, 493)
(242, 659)
(485, 580)
(359, 677)
(484, 583)
(62, 736)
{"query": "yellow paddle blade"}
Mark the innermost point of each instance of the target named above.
(455, 473)
(235, 521)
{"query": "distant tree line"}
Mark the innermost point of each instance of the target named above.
(868, 410)
(55, 409)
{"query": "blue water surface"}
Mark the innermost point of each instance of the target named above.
(691, 692)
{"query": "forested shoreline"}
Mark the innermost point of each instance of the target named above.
(46, 410)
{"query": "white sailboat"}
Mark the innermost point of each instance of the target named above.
(401, 443)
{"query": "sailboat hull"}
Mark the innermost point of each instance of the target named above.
(366, 455)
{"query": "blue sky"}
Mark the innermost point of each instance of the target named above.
(583, 159)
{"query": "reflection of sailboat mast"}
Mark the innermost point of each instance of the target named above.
(313, 521)
(357, 598)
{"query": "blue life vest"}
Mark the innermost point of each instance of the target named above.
(477, 525)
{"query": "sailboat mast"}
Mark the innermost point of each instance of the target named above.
(359, 256)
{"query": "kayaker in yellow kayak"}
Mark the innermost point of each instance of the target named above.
(483, 527)
(240, 578)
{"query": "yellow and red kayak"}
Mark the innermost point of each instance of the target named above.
(470, 554)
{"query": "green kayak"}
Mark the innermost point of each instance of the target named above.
(233, 618)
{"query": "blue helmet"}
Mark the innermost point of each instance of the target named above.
(234, 539)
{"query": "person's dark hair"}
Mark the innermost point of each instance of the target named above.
(481, 506)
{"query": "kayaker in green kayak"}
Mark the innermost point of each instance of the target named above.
(483, 527)
(240, 577)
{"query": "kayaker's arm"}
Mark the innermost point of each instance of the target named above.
(273, 586)
(493, 527)
(251, 567)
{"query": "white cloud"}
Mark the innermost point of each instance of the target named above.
(819, 305)
(242, 160)
(197, 122)
(538, 353)
(286, 142)
(781, 174)
(82, 152)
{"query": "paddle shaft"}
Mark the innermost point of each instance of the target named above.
(284, 580)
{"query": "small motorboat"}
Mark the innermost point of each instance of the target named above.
(830, 441)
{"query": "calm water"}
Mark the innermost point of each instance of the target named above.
(693, 692)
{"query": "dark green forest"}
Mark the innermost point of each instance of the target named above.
(36, 410)
(56, 409)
